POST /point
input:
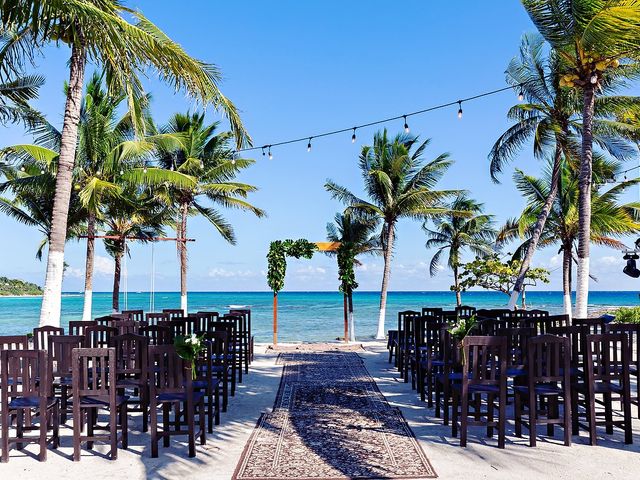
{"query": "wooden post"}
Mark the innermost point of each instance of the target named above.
(346, 319)
(275, 318)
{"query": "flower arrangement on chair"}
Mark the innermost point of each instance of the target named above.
(188, 347)
(461, 329)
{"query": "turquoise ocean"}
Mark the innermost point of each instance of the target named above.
(303, 316)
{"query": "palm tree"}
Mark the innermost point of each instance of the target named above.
(549, 117)
(357, 236)
(398, 186)
(131, 216)
(16, 88)
(598, 42)
(206, 156)
(610, 219)
(455, 233)
(99, 31)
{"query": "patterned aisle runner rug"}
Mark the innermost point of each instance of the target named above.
(330, 422)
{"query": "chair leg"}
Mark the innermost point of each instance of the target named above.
(113, 430)
(44, 424)
(56, 425)
(153, 419)
(608, 413)
(90, 423)
(591, 409)
(626, 408)
(464, 420)
(490, 408)
(144, 406)
(20, 428)
(166, 424)
(77, 430)
(533, 418)
(124, 425)
(203, 436)
(210, 412)
(502, 417)
(567, 418)
(517, 411)
(4, 438)
(217, 403)
(191, 428)
(575, 425)
(454, 414)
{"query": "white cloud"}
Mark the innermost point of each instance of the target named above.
(310, 269)
(74, 272)
(103, 265)
(224, 273)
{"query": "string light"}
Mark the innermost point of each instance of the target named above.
(270, 154)
(42, 172)
(594, 78)
(406, 125)
(22, 168)
(201, 164)
(266, 148)
(145, 168)
(309, 145)
(521, 94)
(121, 172)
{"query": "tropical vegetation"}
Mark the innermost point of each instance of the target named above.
(15, 287)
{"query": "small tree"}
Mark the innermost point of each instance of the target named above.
(491, 273)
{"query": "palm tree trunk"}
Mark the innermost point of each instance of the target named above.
(88, 271)
(385, 282)
(52, 294)
(456, 285)
(115, 296)
(352, 323)
(538, 228)
(345, 312)
(566, 278)
(524, 298)
(584, 203)
(182, 245)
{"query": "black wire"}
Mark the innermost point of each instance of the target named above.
(378, 122)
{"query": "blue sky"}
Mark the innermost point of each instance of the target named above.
(299, 68)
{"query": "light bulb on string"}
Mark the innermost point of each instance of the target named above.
(263, 151)
(144, 170)
(309, 145)
(459, 108)
(42, 172)
(201, 165)
(22, 168)
(594, 78)
(353, 137)
(233, 158)
(121, 172)
(406, 125)
(521, 94)
(270, 154)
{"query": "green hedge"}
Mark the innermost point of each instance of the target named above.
(627, 315)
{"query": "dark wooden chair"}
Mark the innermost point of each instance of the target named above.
(135, 315)
(157, 334)
(26, 392)
(106, 320)
(396, 341)
(174, 312)
(94, 389)
(399, 346)
(127, 326)
(77, 327)
(451, 373)
(14, 342)
(431, 361)
(171, 385)
(206, 318)
(517, 342)
(238, 344)
(60, 350)
(220, 366)
(595, 325)
(207, 380)
(131, 373)
(41, 336)
(577, 335)
(632, 330)
(483, 374)
(153, 318)
(408, 343)
(552, 321)
(548, 384)
(249, 333)
(191, 324)
(98, 336)
(536, 313)
(229, 329)
(432, 312)
(606, 375)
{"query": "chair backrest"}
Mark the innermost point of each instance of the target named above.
(465, 311)
(136, 315)
(408, 326)
(607, 358)
(98, 336)
(126, 326)
(131, 355)
(166, 371)
(228, 328)
(595, 325)
(60, 348)
(153, 318)
(157, 334)
(107, 320)
(77, 327)
(632, 330)
(551, 321)
(548, 360)
(41, 336)
(24, 373)
(240, 326)
(517, 341)
(485, 361)
(403, 314)
(207, 318)
(174, 312)
(14, 342)
(432, 312)
(246, 313)
(94, 374)
(535, 313)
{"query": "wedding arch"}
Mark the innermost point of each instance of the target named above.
(279, 250)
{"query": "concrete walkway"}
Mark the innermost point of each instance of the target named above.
(218, 459)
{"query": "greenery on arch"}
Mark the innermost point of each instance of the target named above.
(279, 250)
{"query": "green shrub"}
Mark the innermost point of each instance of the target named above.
(627, 315)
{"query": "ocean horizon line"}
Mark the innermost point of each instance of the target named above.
(490, 292)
